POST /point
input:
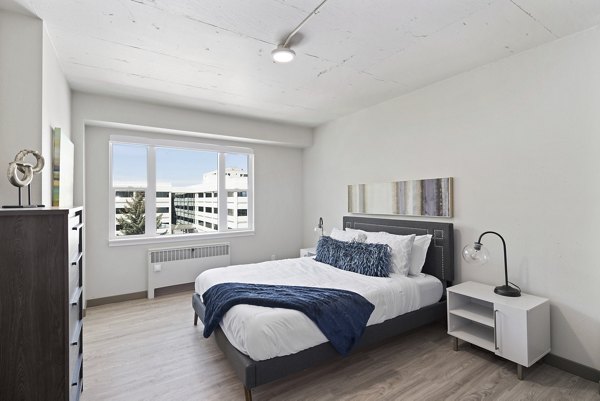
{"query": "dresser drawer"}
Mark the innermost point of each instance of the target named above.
(75, 226)
(74, 273)
(74, 354)
(74, 220)
(76, 390)
(73, 244)
(75, 380)
(74, 309)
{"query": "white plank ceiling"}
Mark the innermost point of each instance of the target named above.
(215, 54)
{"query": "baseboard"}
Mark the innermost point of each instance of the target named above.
(116, 298)
(572, 367)
(173, 289)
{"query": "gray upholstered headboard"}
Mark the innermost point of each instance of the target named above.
(440, 255)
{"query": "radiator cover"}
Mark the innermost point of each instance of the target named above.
(180, 265)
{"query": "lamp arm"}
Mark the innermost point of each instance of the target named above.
(504, 247)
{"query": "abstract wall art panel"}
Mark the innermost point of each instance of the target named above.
(63, 156)
(431, 197)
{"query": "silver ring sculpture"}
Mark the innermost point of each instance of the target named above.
(26, 169)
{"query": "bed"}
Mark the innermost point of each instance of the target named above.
(264, 366)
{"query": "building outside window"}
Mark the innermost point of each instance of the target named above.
(179, 185)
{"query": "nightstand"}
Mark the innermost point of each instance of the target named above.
(517, 329)
(306, 252)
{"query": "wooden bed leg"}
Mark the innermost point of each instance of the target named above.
(195, 319)
(248, 393)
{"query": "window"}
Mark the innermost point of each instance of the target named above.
(173, 181)
(236, 184)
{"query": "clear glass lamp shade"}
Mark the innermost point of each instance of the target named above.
(475, 254)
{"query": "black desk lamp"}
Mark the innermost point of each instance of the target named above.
(476, 253)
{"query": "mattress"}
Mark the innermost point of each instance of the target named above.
(264, 333)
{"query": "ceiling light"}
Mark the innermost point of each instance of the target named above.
(283, 54)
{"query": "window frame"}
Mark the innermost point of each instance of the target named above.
(150, 235)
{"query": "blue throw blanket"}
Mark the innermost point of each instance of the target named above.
(341, 315)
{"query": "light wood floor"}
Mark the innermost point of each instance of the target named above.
(150, 350)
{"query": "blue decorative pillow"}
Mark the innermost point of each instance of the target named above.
(358, 257)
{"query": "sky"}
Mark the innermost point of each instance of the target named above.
(179, 167)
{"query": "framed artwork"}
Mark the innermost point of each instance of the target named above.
(63, 156)
(430, 197)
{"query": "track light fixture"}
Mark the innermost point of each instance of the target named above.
(283, 53)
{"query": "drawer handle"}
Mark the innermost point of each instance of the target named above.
(77, 259)
(76, 296)
(495, 334)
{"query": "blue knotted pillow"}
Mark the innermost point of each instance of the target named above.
(358, 257)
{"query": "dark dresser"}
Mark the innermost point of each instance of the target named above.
(41, 326)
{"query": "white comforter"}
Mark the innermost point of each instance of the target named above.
(264, 333)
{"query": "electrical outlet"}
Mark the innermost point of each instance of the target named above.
(157, 268)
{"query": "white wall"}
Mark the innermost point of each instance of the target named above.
(34, 97)
(278, 214)
(278, 181)
(153, 117)
(56, 111)
(522, 138)
(20, 96)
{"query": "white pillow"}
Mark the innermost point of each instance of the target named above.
(401, 249)
(418, 254)
(347, 236)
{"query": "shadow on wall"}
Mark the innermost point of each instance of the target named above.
(458, 246)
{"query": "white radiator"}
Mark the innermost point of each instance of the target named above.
(180, 265)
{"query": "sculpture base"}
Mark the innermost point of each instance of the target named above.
(507, 291)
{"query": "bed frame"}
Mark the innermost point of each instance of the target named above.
(439, 263)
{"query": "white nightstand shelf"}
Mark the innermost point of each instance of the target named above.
(517, 329)
(308, 252)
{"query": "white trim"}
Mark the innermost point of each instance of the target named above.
(112, 215)
(150, 198)
(251, 191)
(292, 141)
(222, 194)
(160, 239)
(170, 143)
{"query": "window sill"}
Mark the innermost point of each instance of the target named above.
(176, 238)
